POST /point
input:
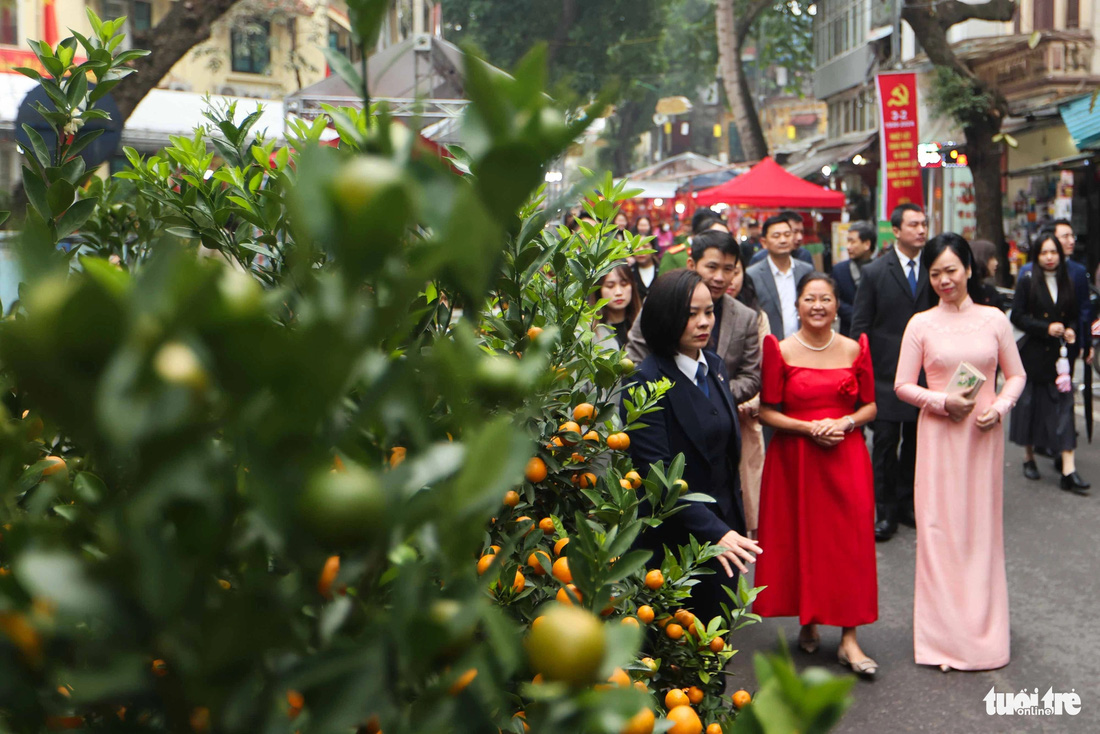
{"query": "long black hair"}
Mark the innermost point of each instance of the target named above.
(957, 244)
(667, 310)
(1061, 273)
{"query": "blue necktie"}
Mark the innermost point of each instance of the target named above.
(701, 379)
(913, 277)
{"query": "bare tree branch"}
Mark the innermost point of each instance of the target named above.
(755, 9)
(186, 25)
(954, 11)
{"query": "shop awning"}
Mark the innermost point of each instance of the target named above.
(828, 156)
(768, 186)
(1082, 118)
(652, 189)
(804, 119)
(1071, 161)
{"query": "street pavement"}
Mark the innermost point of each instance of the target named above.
(1051, 540)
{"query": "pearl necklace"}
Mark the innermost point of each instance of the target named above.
(815, 349)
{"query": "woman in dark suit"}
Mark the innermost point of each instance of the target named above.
(1046, 310)
(698, 419)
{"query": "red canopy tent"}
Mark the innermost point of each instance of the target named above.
(768, 186)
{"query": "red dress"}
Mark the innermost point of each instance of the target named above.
(817, 504)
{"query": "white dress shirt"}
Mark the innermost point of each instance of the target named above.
(690, 366)
(788, 296)
(1051, 279)
(647, 274)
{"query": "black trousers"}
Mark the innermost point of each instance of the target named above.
(894, 458)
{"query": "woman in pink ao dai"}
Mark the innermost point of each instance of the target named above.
(960, 609)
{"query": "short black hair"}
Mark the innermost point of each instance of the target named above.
(1056, 222)
(958, 245)
(791, 217)
(810, 278)
(898, 214)
(701, 215)
(771, 222)
(711, 239)
(667, 309)
(865, 231)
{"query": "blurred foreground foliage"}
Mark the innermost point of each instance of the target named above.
(319, 475)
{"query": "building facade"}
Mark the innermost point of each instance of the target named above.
(260, 49)
(1041, 61)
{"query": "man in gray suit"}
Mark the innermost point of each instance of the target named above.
(715, 255)
(776, 277)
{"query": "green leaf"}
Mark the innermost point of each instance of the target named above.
(76, 215)
(60, 197)
(367, 18)
(343, 68)
(35, 189)
(56, 577)
(38, 144)
(629, 564)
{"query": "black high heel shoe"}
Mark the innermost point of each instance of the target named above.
(1073, 482)
(1031, 470)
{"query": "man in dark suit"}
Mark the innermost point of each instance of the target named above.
(891, 289)
(776, 278)
(847, 273)
(735, 338)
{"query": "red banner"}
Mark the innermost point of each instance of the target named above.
(12, 58)
(898, 138)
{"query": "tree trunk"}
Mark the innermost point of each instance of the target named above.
(735, 84)
(186, 25)
(930, 24)
(984, 159)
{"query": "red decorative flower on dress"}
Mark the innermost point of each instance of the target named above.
(848, 386)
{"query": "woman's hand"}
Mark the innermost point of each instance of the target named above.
(958, 407)
(748, 410)
(988, 419)
(1056, 329)
(740, 550)
(1070, 336)
(827, 432)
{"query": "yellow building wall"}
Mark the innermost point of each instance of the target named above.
(207, 68)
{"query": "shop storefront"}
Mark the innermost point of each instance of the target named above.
(1048, 177)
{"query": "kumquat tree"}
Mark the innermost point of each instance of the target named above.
(355, 464)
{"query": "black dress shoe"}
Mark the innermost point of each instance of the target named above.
(1031, 471)
(884, 530)
(1074, 483)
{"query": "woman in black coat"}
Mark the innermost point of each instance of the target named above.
(1045, 309)
(698, 419)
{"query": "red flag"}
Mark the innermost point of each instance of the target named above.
(49, 23)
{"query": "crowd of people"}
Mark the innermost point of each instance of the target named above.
(777, 371)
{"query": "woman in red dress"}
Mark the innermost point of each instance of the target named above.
(817, 503)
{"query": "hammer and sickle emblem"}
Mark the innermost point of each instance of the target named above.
(899, 96)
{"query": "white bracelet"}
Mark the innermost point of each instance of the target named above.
(851, 424)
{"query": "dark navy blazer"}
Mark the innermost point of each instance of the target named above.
(846, 294)
(679, 428)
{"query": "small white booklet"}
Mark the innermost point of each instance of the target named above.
(966, 381)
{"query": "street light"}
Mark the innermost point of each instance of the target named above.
(826, 171)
